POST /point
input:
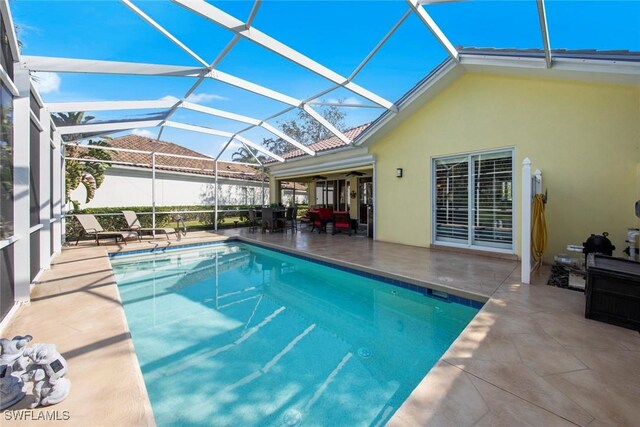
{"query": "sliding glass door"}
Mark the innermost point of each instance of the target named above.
(333, 193)
(473, 200)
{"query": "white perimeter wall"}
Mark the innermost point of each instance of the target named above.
(126, 186)
(287, 197)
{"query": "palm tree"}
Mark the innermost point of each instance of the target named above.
(244, 155)
(71, 119)
(89, 174)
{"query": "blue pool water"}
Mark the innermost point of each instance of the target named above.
(237, 335)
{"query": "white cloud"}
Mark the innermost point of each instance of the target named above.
(143, 132)
(197, 98)
(169, 98)
(232, 147)
(46, 82)
(350, 100)
(205, 97)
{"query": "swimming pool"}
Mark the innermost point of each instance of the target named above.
(236, 334)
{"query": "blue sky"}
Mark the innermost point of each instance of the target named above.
(338, 35)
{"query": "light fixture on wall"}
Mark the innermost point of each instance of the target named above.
(353, 194)
(399, 172)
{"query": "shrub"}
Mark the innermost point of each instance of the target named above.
(163, 217)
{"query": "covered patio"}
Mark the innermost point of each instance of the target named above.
(529, 357)
(347, 190)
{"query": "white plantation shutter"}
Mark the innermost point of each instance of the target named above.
(493, 201)
(474, 201)
(452, 199)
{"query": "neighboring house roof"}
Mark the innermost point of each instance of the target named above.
(176, 164)
(331, 143)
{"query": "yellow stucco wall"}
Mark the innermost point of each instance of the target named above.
(585, 137)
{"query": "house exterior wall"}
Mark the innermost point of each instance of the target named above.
(584, 137)
(126, 186)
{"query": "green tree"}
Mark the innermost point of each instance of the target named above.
(305, 129)
(82, 172)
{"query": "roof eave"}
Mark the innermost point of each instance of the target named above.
(563, 62)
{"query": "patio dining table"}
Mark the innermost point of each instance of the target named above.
(277, 213)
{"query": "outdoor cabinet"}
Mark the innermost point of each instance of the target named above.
(613, 291)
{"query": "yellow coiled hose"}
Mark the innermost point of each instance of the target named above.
(538, 230)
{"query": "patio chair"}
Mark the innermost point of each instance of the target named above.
(317, 222)
(289, 219)
(253, 220)
(295, 218)
(306, 218)
(90, 225)
(268, 219)
(134, 225)
(341, 222)
(326, 214)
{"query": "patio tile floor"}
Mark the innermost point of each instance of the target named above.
(528, 358)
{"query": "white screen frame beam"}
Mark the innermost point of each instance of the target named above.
(433, 27)
(90, 66)
(107, 127)
(227, 21)
(163, 31)
(544, 30)
(11, 30)
(62, 107)
(66, 65)
(258, 147)
(216, 132)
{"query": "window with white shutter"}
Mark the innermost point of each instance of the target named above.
(473, 200)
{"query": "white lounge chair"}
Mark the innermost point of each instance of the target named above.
(90, 225)
(134, 225)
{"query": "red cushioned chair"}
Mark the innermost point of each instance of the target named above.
(326, 215)
(317, 222)
(341, 222)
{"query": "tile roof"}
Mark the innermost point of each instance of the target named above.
(331, 143)
(176, 164)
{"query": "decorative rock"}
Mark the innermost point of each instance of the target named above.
(47, 372)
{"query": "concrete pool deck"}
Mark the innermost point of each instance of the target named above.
(528, 358)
